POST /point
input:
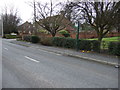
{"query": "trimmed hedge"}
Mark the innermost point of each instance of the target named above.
(35, 39)
(64, 42)
(27, 38)
(46, 41)
(114, 48)
(64, 33)
(58, 41)
(8, 36)
(85, 45)
(71, 43)
(95, 45)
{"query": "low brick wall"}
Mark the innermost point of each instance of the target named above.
(82, 35)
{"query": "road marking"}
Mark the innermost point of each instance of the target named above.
(42, 50)
(31, 59)
(58, 54)
(50, 52)
(5, 48)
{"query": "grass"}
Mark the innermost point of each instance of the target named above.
(8, 36)
(106, 41)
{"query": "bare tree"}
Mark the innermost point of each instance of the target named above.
(117, 25)
(100, 15)
(10, 21)
(51, 17)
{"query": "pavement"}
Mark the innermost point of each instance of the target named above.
(91, 56)
(26, 66)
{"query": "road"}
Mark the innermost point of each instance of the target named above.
(27, 67)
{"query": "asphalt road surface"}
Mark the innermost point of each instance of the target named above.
(27, 67)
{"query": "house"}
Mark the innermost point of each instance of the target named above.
(26, 28)
(59, 22)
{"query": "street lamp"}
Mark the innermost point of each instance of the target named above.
(77, 25)
(1, 27)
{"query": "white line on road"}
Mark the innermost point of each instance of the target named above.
(5, 48)
(31, 59)
(58, 54)
(43, 50)
(50, 52)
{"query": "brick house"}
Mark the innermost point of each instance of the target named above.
(26, 28)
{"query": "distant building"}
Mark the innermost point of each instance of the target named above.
(26, 28)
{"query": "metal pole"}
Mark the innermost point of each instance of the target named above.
(77, 37)
(35, 17)
(2, 26)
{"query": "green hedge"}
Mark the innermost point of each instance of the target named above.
(71, 43)
(8, 36)
(114, 48)
(64, 42)
(84, 45)
(64, 33)
(58, 41)
(95, 45)
(27, 38)
(46, 41)
(35, 39)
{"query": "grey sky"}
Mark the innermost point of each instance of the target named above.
(24, 10)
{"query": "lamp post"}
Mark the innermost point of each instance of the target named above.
(1, 27)
(35, 26)
(77, 35)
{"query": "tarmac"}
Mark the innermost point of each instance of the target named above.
(86, 55)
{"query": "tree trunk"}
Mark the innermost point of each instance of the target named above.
(100, 38)
(53, 34)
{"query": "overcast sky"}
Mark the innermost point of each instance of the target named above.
(25, 11)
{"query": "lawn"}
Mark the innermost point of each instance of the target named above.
(106, 41)
(109, 39)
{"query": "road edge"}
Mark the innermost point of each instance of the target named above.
(76, 56)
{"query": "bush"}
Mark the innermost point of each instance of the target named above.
(114, 48)
(46, 41)
(58, 41)
(71, 43)
(64, 33)
(43, 31)
(84, 45)
(64, 42)
(95, 45)
(111, 47)
(8, 36)
(35, 39)
(27, 38)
